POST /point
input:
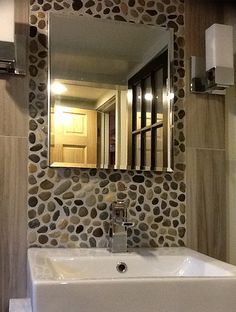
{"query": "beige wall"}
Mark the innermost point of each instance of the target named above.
(13, 179)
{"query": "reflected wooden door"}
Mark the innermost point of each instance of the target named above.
(74, 141)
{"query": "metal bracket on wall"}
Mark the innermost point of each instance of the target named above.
(198, 75)
(8, 67)
(13, 56)
(214, 81)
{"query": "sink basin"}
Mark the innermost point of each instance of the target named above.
(153, 280)
(139, 264)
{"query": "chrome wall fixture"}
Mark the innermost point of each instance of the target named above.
(215, 73)
(12, 51)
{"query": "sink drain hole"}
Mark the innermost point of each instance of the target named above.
(121, 267)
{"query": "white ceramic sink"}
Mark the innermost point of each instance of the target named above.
(138, 264)
(155, 280)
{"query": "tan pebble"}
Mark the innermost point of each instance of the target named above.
(149, 194)
(33, 190)
(41, 15)
(86, 221)
(74, 220)
(62, 224)
(172, 232)
(110, 197)
(46, 218)
(51, 173)
(32, 168)
(162, 231)
(55, 234)
(124, 8)
(182, 208)
(32, 237)
(150, 219)
(64, 238)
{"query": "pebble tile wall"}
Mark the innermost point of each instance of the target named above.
(70, 207)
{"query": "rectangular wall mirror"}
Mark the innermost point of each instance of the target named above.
(110, 96)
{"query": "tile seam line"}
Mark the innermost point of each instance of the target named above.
(13, 136)
(206, 148)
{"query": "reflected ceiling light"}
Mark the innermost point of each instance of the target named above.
(148, 96)
(171, 95)
(130, 95)
(58, 88)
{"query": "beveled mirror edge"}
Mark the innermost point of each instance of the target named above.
(49, 163)
(170, 168)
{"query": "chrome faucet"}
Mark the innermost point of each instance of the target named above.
(118, 227)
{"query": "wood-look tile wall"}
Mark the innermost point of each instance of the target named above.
(230, 19)
(205, 145)
(206, 182)
(13, 178)
(13, 218)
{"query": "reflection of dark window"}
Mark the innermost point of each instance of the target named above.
(150, 114)
(112, 136)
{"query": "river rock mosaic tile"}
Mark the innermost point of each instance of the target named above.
(70, 207)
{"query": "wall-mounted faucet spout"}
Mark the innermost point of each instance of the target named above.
(118, 227)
